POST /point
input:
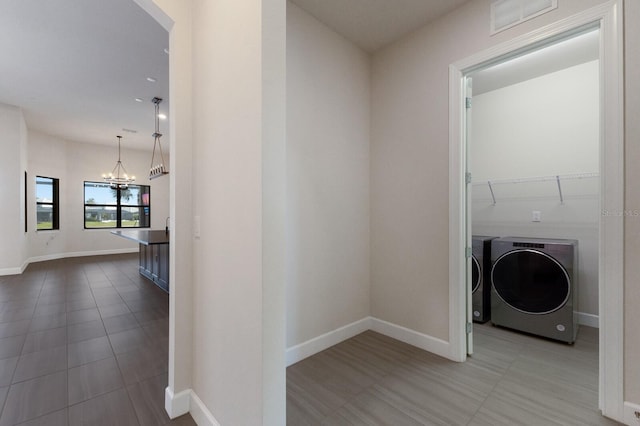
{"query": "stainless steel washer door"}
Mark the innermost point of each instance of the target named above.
(531, 281)
(475, 274)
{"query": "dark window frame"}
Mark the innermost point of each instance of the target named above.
(55, 204)
(119, 206)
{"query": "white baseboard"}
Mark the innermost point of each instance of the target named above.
(81, 254)
(589, 320)
(176, 404)
(13, 271)
(201, 413)
(412, 337)
(317, 344)
(20, 269)
(631, 414)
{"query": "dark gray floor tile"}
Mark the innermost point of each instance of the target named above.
(3, 395)
(80, 304)
(111, 409)
(108, 300)
(104, 292)
(96, 378)
(47, 339)
(84, 315)
(120, 323)
(35, 398)
(76, 293)
(88, 351)
(142, 363)
(185, 420)
(16, 328)
(56, 308)
(11, 346)
(102, 283)
(57, 418)
(128, 340)
(150, 315)
(85, 331)
(36, 364)
(148, 400)
(7, 368)
(48, 322)
(16, 314)
(113, 310)
(52, 298)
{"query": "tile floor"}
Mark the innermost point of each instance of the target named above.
(83, 341)
(512, 379)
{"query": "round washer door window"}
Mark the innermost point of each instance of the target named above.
(531, 281)
(475, 274)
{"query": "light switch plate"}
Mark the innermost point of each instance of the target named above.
(536, 216)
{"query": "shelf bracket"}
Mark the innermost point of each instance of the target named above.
(560, 190)
(493, 196)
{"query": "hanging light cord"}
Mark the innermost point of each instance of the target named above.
(160, 169)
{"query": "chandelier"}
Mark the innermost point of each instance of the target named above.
(159, 169)
(118, 178)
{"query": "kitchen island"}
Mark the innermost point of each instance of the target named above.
(153, 254)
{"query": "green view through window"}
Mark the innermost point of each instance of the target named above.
(47, 210)
(107, 207)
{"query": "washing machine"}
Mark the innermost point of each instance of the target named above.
(534, 286)
(480, 277)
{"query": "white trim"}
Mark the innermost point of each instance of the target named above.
(81, 254)
(318, 344)
(457, 218)
(14, 271)
(178, 404)
(20, 269)
(589, 320)
(631, 413)
(414, 338)
(609, 15)
(200, 412)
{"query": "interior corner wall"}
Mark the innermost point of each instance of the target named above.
(632, 204)
(545, 126)
(227, 191)
(73, 163)
(327, 225)
(410, 158)
(12, 168)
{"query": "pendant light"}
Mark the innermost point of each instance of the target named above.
(118, 178)
(159, 169)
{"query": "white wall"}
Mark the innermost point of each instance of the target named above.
(73, 163)
(327, 179)
(234, 45)
(13, 249)
(541, 127)
(410, 157)
(632, 204)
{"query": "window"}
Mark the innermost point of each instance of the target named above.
(47, 203)
(107, 207)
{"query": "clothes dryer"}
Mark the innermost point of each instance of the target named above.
(534, 286)
(481, 277)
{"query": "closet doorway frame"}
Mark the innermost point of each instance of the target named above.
(608, 17)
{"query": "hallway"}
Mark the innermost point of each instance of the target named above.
(83, 341)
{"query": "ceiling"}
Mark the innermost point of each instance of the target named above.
(567, 53)
(373, 24)
(76, 67)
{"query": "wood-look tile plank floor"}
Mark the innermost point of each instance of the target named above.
(512, 379)
(83, 341)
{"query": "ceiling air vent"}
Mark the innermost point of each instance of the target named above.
(508, 13)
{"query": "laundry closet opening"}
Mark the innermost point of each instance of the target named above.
(533, 146)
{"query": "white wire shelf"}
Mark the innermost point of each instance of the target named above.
(557, 178)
